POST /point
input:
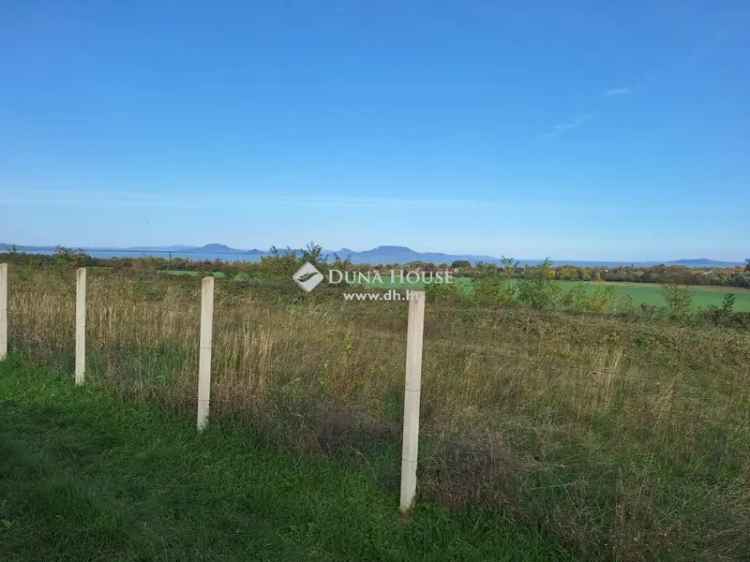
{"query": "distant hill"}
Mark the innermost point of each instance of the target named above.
(375, 256)
(208, 248)
(30, 249)
(402, 254)
(175, 248)
(217, 249)
(703, 262)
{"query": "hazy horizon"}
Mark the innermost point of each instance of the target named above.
(186, 248)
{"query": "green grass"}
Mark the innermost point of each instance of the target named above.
(84, 476)
(624, 437)
(653, 294)
(640, 293)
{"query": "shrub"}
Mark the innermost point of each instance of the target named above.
(494, 291)
(539, 292)
(678, 300)
(444, 292)
(72, 258)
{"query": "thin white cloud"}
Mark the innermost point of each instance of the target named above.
(566, 126)
(618, 92)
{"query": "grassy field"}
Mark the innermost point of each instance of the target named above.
(637, 293)
(652, 294)
(622, 438)
(88, 477)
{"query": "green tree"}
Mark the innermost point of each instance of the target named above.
(509, 266)
(538, 290)
(279, 263)
(727, 305)
(678, 299)
(312, 253)
(69, 257)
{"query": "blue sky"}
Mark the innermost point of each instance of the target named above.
(571, 130)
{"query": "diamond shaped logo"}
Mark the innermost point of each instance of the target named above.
(307, 277)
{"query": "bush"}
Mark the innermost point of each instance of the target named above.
(444, 292)
(678, 300)
(72, 258)
(494, 291)
(539, 292)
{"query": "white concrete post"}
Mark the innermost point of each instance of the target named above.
(80, 325)
(204, 369)
(3, 311)
(412, 392)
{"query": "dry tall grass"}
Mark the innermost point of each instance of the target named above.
(629, 440)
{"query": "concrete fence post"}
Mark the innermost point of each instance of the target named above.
(3, 311)
(80, 326)
(412, 391)
(204, 368)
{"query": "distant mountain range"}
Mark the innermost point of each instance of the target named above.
(375, 256)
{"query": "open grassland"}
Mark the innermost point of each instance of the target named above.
(652, 294)
(625, 294)
(624, 439)
(88, 477)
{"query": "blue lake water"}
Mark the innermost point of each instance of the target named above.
(166, 254)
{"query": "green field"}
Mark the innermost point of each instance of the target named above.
(84, 476)
(640, 293)
(652, 294)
